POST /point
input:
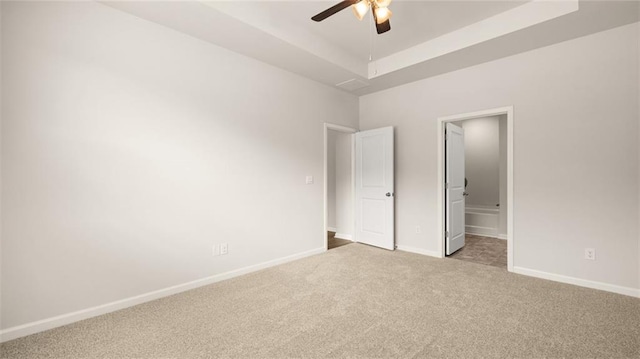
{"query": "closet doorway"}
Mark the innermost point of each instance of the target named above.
(339, 185)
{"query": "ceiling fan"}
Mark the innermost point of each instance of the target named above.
(379, 10)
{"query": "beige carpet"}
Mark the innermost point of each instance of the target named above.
(360, 302)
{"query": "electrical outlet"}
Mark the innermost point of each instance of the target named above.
(590, 254)
(215, 250)
(418, 230)
(224, 248)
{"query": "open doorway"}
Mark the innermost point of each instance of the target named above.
(339, 184)
(476, 166)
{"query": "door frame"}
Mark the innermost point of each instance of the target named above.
(441, 185)
(352, 131)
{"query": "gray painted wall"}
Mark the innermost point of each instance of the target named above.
(331, 178)
(344, 186)
(482, 160)
(339, 184)
(502, 221)
(576, 107)
(129, 149)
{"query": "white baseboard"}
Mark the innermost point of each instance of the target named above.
(502, 236)
(633, 292)
(419, 251)
(481, 231)
(344, 236)
(332, 229)
(58, 321)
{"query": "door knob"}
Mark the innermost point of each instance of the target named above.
(465, 194)
(388, 194)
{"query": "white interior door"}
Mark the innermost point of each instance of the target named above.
(374, 188)
(454, 188)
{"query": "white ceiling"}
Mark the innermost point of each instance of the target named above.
(412, 23)
(427, 38)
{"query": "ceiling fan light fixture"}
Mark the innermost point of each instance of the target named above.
(360, 8)
(383, 3)
(382, 14)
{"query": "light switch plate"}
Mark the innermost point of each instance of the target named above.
(309, 180)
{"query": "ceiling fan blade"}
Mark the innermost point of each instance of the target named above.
(334, 9)
(381, 28)
(384, 27)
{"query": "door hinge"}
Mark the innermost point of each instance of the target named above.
(446, 186)
(446, 234)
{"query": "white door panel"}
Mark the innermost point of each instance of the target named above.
(374, 188)
(454, 188)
